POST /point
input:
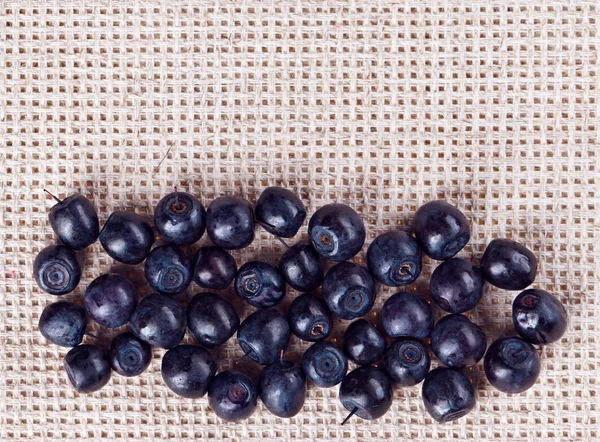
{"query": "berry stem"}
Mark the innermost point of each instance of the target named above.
(177, 199)
(354, 410)
(53, 196)
(278, 238)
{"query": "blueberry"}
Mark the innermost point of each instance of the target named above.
(395, 258)
(324, 364)
(75, 221)
(441, 229)
(457, 342)
(406, 362)
(56, 270)
(282, 387)
(87, 368)
(63, 323)
(539, 317)
(456, 285)
(406, 315)
(337, 232)
(280, 212)
(300, 266)
(159, 320)
(187, 370)
(448, 394)
(230, 222)
(508, 265)
(128, 355)
(211, 319)
(363, 343)
(263, 335)
(110, 300)
(214, 268)
(127, 237)
(168, 270)
(309, 318)
(180, 218)
(349, 290)
(232, 396)
(260, 284)
(512, 365)
(366, 392)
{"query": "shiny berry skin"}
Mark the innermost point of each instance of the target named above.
(127, 237)
(324, 364)
(457, 342)
(309, 318)
(110, 300)
(87, 368)
(403, 314)
(512, 365)
(56, 270)
(230, 222)
(282, 387)
(448, 394)
(214, 268)
(349, 290)
(456, 285)
(63, 323)
(508, 265)
(211, 319)
(301, 268)
(263, 335)
(280, 212)
(75, 222)
(368, 390)
(406, 362)
(260, 284)
(395, 258)
(232, 396)
(180, 219)
(539, 317)
(168, 270)
(128, 355)
(363, 343)
(441, 229)
(337, 232)
(187, 370)
(159, 320)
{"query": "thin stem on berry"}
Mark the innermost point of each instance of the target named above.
(354, 410)
(53, 196)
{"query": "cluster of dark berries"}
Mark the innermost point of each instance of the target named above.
(336, 233)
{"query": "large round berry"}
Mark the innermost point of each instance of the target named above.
(366, 392)
(406, 362)
(187, 370)
(539, 316)
(63, 323)
(324, 364)
(512, 365)
(301, 268)
(87, 368)
(282, 387)
(260, 284)
(456, 285)
(75, 222)
(110, 300)
(309, 318)
(349, 290)
(230, 222)
(457, 342)
(403, 314)
(179, 218)
(56, 270)
(232, 396)
(168, 270)
(363, 343)
(211, 319)
(129, 355)
(263, 335)
(159, 320)
(127, 237)
(395, 258)
(280, 211)
(508, 265)
(214, 268)
(448, 394)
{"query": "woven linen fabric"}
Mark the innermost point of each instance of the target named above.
(383, 105)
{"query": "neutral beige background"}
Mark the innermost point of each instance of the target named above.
(490, 105)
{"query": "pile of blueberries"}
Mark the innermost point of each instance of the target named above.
(336, 233)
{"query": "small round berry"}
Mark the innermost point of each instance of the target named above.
(63, 323)
(309, 318)
(159, 320)
(456, 285)
(448, 394)
(282, 387)
(180, 219)
(128, 355)
(457, 342)
(168, 270)
(87, 368)
(363, 343)
(56, 270)
(406, 362)
(232, 396)
(110, 300)
(214, 268)
(263, 335)
(260, 284)
(211, 319)
(75, 222)
(187, 370)
(301, 268)
(325, 364)
(539, 317)
(280, 212)
(366, 392)
(508, 265)
(512, 365)
(127, 237)
(395, 258)
(403, 314)
(230, 222)
(349, 290)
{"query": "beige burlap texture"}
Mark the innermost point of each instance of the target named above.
(492, 106)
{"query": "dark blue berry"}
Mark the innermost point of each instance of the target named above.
(56, 270)
(75, 222)
(214, 268)
(456, 285)
(457, 342)
(87, 368)
(280, 211)
(263, 335)
(337, 232)
(282, 387)
(366, 392)
(127, 237)
(539, 316)
(441, 229)
(168, 270)
(406, 362)
(363, 343)
(349, 290)
(232, 396)
(309, 318)
(63, 323)
(180, 219)
(448, 394)
(395, 258)
(159, 320)
(128, 355)
(300, 266)
(508, 265)
(324, 364)
(512, 365)
(211, 319)
(187, 370)
(230, 222)
(404, 314)
(260, 284)
(110, 300)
